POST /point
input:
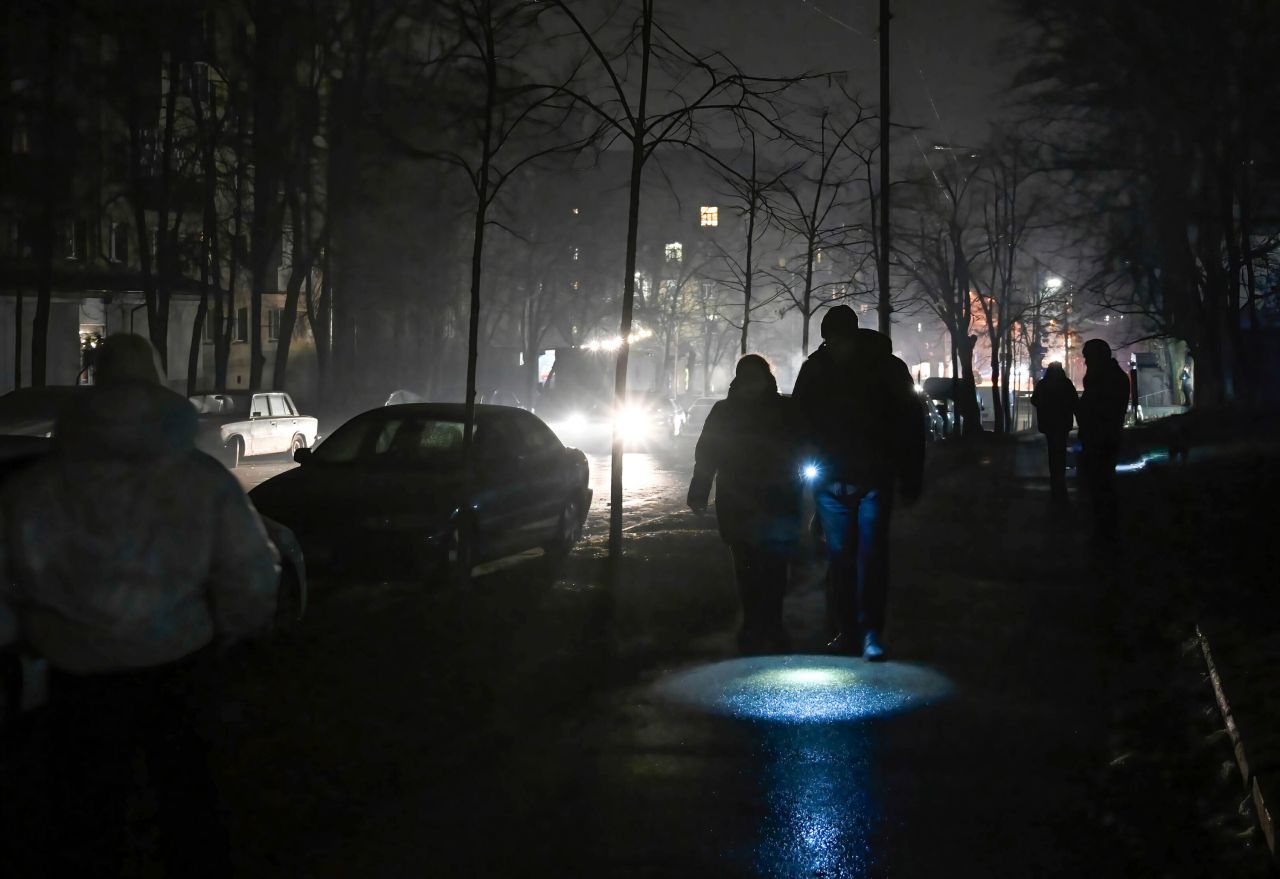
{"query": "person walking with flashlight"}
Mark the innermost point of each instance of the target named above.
(750, 448)
(860, 404)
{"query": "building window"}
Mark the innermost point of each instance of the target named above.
(75, 239)
(576, 211)
(675, 252)
(118, 242)
(210, 329)
(817, 256)
(577, 285)
(709, 215)
(242, 324)
(273, 324)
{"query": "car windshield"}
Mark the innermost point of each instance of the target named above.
(221, 404)
(422, 440)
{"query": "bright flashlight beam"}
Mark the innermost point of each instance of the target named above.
(805, 689)
(810, 472)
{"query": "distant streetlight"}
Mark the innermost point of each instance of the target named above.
(1052, 283)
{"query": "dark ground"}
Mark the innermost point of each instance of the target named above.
(1061, 725)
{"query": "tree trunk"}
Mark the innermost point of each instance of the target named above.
(639, 126)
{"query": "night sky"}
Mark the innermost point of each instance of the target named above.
(945, 53)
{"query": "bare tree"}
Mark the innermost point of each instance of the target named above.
(690, 86)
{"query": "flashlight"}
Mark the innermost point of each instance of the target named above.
(810, 472)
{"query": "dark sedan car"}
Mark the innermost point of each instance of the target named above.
(386, 492)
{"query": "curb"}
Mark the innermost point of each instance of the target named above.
(1250, 780)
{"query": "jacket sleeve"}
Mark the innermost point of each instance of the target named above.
(245, 574)
(707, 456)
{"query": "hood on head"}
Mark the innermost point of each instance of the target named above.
(133, 421)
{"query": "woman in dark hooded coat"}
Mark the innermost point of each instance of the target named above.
(750, 446)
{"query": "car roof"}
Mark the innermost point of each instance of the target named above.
(447, 411)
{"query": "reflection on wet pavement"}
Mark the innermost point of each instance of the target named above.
(820, 814)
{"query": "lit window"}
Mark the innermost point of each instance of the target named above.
(675, 252)
(577, 285)
(710, 215)
(818, 257)
(919, 326)
(576, 211)
(576, 253)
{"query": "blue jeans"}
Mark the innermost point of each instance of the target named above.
(856, 524)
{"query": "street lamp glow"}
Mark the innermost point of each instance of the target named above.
(1053, 282)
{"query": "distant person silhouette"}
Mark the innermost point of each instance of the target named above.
(1056, 400)
(127, 557)
(860, 405)
(1185, 381)
(1101, 415)
(750, 447)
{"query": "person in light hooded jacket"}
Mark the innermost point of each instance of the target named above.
(127, 558)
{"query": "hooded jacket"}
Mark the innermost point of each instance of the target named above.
(863, 414)
(1104, 404)
(126, 548)
(750, 447)
(1055, 400)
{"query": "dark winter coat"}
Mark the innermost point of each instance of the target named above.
(1103, 404)
(1055, 399)
(864, 415)
(750, 447)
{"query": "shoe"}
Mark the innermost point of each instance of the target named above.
(872, 649)
(844, 645)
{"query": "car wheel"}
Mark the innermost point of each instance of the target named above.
(299, 442)
(568, 532)
(235, 452)
(461, 554)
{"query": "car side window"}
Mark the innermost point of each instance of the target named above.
(258, 408)
(289, 408)
(275, 405)
(538, 438)
(498, 438)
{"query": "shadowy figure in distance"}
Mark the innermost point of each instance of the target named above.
(1055, 400)
(1101, 415)
(750, 447)
(127, 556)
(861, 406)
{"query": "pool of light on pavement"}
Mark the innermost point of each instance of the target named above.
(805, 689)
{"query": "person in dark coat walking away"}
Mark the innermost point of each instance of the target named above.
(1055, 400)
(750, 448)
(126, 558)
(1101, 415)
(865, 419)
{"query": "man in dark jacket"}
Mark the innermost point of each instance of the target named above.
(1101, 417)
(861, 409)
(750, 447)
(1055, 400)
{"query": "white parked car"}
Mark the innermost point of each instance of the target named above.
(240, 424)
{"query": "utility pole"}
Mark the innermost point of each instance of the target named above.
(885, 304)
